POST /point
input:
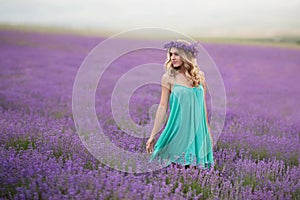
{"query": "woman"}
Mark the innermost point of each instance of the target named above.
(186, 139)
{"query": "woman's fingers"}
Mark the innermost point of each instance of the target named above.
(150, 145)
(149, 148)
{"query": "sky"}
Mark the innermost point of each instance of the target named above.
(209, 18)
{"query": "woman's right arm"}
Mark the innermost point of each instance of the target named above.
(163, 106)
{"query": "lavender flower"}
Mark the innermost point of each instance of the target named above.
(42, 157)
(181, 45)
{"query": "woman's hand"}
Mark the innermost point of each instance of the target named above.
(150, 144)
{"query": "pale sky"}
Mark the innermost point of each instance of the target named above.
(193, 17)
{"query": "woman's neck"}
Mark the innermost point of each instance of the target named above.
(180, 69)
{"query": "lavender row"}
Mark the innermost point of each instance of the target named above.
(42, 156)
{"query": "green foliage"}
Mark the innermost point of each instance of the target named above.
(250, 180)
(58, 152)
(59, 114)
(293, 160)
(222, 145)
(168, 181)
(88, 165)
(21, 144)
(296, 194)
(259, 154)
(206, 191)
(192, 185)
(9, 190)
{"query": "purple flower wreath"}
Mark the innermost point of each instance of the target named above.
(180, 45)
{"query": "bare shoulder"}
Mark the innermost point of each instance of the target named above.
(166, 78)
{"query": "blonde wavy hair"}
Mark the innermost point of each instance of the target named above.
(193, 72)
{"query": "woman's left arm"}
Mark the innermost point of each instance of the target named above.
(205, 108)
(205, 89)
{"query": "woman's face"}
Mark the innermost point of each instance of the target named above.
(175, 58)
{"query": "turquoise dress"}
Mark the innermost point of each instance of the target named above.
(185, 139)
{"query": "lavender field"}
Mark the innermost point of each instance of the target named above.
(42, 156)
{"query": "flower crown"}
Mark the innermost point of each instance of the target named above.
(181, 45)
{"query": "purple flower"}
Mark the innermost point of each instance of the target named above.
(181, 45)
(42, 156)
